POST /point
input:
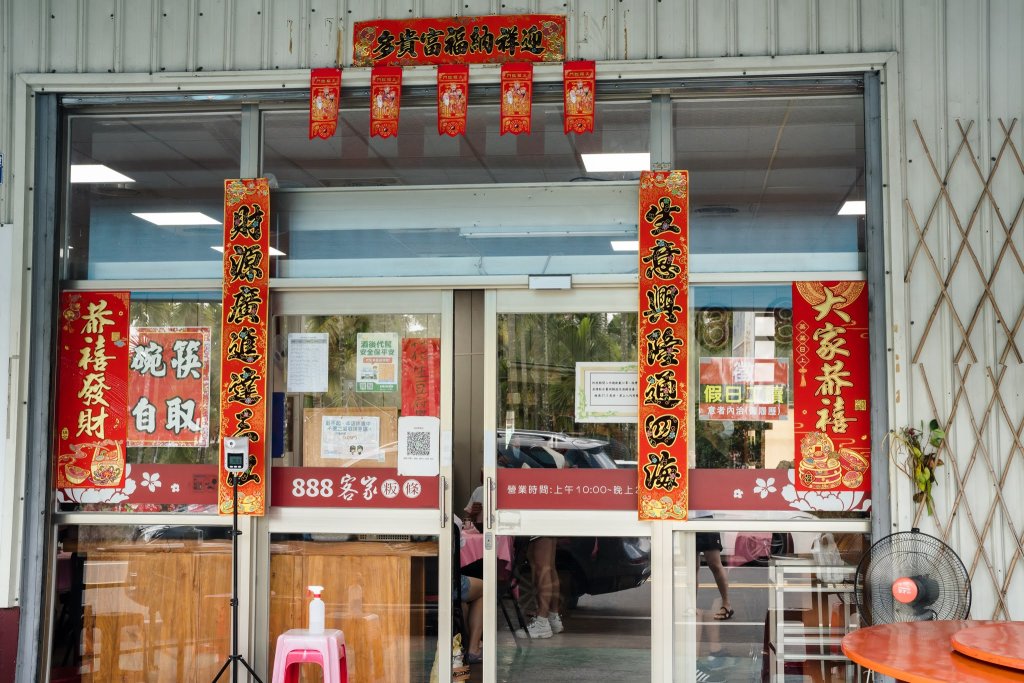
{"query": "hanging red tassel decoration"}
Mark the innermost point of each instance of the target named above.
(324, 98)
(516, 98)
(452, 99)
(385, 97)
(580, 82)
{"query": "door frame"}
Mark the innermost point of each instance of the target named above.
(415, 522)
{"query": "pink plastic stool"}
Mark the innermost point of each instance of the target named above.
(299, 646)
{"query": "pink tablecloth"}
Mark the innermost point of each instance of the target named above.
(473, 548)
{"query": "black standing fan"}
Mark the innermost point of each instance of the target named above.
(911, 576)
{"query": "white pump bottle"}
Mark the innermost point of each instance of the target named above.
(316, 610)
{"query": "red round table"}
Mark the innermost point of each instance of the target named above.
(921, 652)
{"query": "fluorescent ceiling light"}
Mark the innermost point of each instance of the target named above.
(851, 208)
(181, 218)
(273, 251)
(477, 232)
(625, 245)
(617, 163)
(97, 173)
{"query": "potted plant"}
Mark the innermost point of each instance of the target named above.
(916, 454)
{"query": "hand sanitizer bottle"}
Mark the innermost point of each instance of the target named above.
(316, 610)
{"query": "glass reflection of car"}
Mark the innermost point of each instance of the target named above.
(587, 565)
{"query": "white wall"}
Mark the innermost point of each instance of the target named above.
(959, 62)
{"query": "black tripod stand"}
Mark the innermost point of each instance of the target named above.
(234, 658)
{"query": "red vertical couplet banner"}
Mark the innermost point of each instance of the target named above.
(580, 82)
(663, 349)
(421, 376)
(452, 99)
(831, 396)
(243, 365)
(92, 405)
(324, 100)
(385, 100)
(516, 98)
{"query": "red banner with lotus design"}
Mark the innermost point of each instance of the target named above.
(243, 390)
(664, 289)
(92, 406)
(460, 40)
(831, 396)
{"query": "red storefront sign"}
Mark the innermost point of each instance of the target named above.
(452, 99)
(516, 98)
(385, 100)
(92, 406)
(363, 487)
(169, 386)
(831, 396)
(664, 290)
(421, 376)
(460, 40)
(580, 82)
(744, 389)
(243, 390)
(324, 100)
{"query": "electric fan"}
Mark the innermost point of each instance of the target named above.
(911, 576)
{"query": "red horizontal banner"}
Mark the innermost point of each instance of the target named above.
(354, 487)
(460, 40)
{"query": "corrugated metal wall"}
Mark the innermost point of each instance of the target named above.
(957, 245)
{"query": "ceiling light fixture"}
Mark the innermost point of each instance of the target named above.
(487, 232)
(853, 208)
(180, 218)
(273, 251)
(97, 173)
(617, 163)
(625, 245)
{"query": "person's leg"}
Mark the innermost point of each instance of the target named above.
(475, 619)
(714, 561)
(541, 554)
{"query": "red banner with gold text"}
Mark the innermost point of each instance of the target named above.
(421, 376)
(580, 82)
(460, 40)
(243, 390)
(664, 290)
(830, 351)
(385, 100)
(92, 405)
(324, 100)
(169, 386)
(452, 99)
(516, 98)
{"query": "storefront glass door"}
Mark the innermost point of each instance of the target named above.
(567, 565)
(359, 485)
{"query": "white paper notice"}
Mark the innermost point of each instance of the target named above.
(348, 437)
(419, 446)
(307, 363)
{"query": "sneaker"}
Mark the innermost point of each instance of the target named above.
(539, 628)
(706, 677)
(556, 622)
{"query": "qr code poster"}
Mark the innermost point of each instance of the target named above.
(419, 446)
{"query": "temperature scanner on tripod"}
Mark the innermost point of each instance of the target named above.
(236, 453)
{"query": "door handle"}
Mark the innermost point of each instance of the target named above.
(443, 495)
(489, 490)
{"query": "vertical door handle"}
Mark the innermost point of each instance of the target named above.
(489, 490)
(443, 494)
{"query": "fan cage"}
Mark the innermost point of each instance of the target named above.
(941, 576)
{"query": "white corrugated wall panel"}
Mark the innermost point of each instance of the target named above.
(673, 30)
(136, 28)
(211, 27)
(714, 28)
(838, 26)
(878, 25)
(755, 20)
(794, 25)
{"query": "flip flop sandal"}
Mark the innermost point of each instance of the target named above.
(724, 614)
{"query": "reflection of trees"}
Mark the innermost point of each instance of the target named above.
(183, 313)
(537, 356)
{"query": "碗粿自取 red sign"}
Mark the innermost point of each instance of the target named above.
(460, 40)
(662, 327)
(832, 386)
(92, 405)
(243, 390)
(169, 386)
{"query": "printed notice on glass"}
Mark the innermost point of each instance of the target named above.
(350, 437)
(606, 392)
(419, 446)
(307, 363)
(377, 361)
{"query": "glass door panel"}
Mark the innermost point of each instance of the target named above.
(359, 493)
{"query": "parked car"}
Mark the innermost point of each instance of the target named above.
(587, 565)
